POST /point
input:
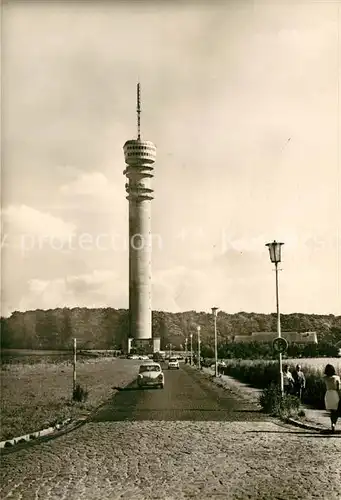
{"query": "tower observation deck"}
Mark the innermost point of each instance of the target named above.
(139, 156)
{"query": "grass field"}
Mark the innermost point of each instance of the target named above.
(316, 363)
(33, 396)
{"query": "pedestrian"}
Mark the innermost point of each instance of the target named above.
(186, 360)
(332, 396)
(288, 380)
(299, 382)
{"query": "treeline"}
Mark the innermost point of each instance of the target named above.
(257, 350)
(107, 328)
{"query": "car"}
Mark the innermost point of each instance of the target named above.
(173, 363)
(150, 375)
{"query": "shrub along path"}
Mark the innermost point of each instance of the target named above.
(316, 418)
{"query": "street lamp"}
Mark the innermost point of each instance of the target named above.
(199, 341)
(275, 256)
(169, 349)
(215, 312)
(191, 337)
(186, 353)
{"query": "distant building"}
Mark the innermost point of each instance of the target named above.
(291, 337)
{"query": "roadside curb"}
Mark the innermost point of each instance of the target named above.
(302, 425)
(34, 435)
(17, 443)
(64, 427)
(309, 427)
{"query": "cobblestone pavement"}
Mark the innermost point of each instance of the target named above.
(244, 456)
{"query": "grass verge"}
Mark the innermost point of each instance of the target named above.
(36, 396)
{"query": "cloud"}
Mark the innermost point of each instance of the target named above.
(97, 289)
(95, 188)
(91, 184)
(24, 221)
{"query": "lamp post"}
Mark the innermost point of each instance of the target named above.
(199, 341)
(275, 257)
(186, 352)
(215, 312)
(191, 337)
(169, 346)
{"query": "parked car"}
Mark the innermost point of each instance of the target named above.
(150, 374)
(173, 363)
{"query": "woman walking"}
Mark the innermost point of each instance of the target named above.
(332, 396)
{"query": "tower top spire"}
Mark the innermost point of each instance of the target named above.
(138, 109)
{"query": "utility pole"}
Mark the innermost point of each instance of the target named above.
(74, 364)
(191, 336)
(215, 312)
(199, 341)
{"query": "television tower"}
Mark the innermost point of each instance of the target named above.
(139, 157)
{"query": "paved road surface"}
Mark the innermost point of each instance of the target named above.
(187, 396)
(185, 441)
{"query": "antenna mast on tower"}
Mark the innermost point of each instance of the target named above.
(138, 109)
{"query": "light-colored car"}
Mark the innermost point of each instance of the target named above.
(173, 363)
(151, 374)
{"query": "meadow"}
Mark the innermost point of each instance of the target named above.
(315, 363)
(307, 363)
(32, 356)
(37, 395)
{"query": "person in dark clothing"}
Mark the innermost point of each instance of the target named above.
(288, 380)
(299, 382)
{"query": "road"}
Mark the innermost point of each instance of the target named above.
(188, 440)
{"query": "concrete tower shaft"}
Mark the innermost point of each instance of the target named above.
(139, 157)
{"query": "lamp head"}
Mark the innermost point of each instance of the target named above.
(275, 251)
(215, 310)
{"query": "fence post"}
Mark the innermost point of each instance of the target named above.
(74, 364)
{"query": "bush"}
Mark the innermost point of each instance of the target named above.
(315, 389)
(80, 394)
(258, 374)
(275, 404)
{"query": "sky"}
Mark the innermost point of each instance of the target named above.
(241, 99)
